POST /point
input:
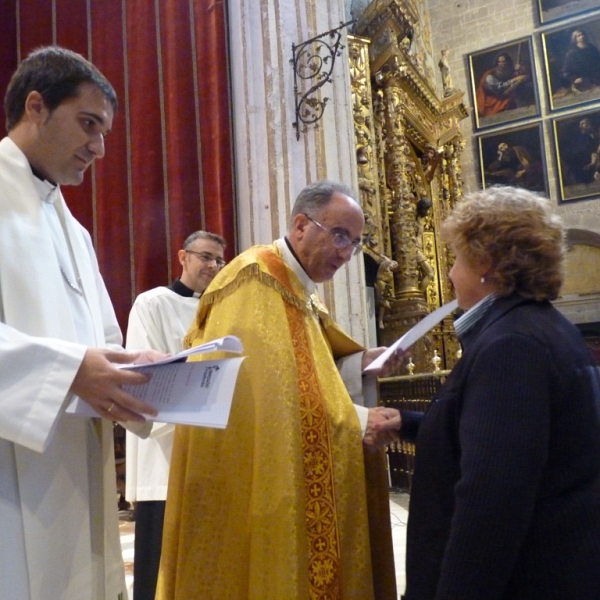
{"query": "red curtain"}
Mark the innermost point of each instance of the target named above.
(168, 165)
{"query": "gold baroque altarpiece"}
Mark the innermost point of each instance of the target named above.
(408, 149)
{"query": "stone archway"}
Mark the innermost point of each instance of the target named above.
(580, 294)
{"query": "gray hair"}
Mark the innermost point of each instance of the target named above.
(574, 35)
(203, 235)
(317, 195)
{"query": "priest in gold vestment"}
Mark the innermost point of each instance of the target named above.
(290, 501)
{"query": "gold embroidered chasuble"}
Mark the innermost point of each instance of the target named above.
(275, 506)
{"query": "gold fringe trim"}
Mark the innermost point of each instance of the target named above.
(254, 271)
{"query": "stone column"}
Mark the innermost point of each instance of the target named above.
(272, 166)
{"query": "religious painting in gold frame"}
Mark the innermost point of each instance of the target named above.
(577, 147)
(572, 64)
(504, 83)
(554, 10)
(514, 157)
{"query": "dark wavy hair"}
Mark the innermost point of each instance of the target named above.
(509, 60)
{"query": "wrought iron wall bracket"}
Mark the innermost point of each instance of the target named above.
(313, 62)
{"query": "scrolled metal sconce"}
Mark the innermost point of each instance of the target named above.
(314, 60)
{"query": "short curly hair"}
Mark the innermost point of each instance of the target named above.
(517, 232)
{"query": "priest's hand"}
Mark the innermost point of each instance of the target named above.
(99, 382)
(390, 365)
(382, 427)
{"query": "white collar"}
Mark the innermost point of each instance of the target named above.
(290, 260)
(46, 190)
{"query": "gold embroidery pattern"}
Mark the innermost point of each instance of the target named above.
(324, 565)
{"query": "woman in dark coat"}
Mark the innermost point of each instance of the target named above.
(505, 502)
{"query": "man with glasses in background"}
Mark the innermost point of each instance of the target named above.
(159, 320)
(283, 503)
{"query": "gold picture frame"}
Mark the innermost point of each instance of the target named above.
(514, 157)
(577, 148)
(572, 64)
(504, 83)
(554, 10)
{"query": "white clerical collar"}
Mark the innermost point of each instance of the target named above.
(291, 261)
(46, 190)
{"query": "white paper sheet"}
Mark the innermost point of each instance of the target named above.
(412, 335)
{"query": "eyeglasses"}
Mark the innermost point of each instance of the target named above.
(339, 240)
(207, 258)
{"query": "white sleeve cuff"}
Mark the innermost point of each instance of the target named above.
(350, 371)
(363, 415)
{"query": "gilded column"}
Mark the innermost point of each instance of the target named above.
(403, 204)
(366, 151)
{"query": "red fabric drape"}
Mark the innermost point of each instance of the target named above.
(8, 43)
(168, 165)
(214, 102)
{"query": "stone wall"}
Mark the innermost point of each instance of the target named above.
(466, 26)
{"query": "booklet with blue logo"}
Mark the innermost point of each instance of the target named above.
(183, 392)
